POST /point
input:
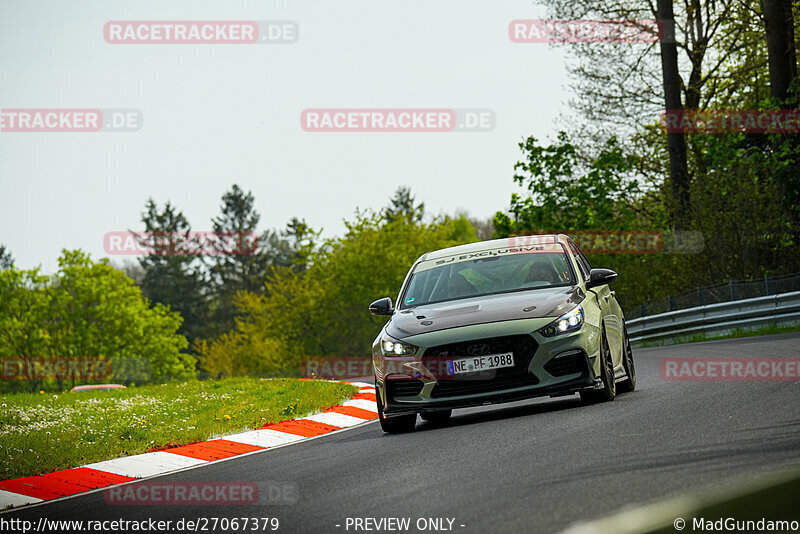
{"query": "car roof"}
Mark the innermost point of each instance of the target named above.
(489, 245)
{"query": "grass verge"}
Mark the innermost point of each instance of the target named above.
(42, 433)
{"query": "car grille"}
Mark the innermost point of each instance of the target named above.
(567, 364)
(402, 388)
(523, 347)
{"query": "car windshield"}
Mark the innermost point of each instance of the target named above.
(487, 272)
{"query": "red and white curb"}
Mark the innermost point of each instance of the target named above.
(28, 490)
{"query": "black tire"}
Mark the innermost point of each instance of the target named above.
(629, 384)
(438, 417)
(397, 424)
(609, 390)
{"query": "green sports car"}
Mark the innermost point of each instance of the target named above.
(499, 321)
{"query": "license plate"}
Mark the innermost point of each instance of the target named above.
(475, 364)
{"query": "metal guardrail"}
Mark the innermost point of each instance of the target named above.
(717, 319)
(727, 291)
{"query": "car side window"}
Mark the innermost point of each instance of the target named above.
(583, 263)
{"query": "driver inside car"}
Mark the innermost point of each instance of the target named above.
(458, 287)
(542, 272)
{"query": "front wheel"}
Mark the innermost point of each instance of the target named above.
(629, 384)
(397, 424)
(609, 390)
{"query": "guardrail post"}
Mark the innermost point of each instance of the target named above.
(672, 303)
(768, 284)
(701, 296)
(734, 286)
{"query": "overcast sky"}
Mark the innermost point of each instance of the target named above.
(216, 114)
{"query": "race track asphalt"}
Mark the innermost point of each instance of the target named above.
(532, 466)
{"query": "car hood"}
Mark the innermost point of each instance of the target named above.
(531, 304)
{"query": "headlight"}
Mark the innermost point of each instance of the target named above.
(392, 347)
(569, 322)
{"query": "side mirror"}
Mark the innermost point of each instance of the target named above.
(600, 277)
(381, 307)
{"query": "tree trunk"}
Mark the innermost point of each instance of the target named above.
(676, 142)
(782, 57)
(779, 28)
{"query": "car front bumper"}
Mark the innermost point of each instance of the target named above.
(560, 365)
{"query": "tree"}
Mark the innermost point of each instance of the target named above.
(709, 53)
(464, 230)
(622, 85)
(402, 206)
(244, 352)
(483, 228)
(6, 260)
(240, 262)
(565, 194)
(24, 306)
(784, 90)
(90, 310)
(132, 269)
(676, 141)
(174, 274)
(744, 206)
(779, 28)
(243, 266)
(105, 315)
(293, 247)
